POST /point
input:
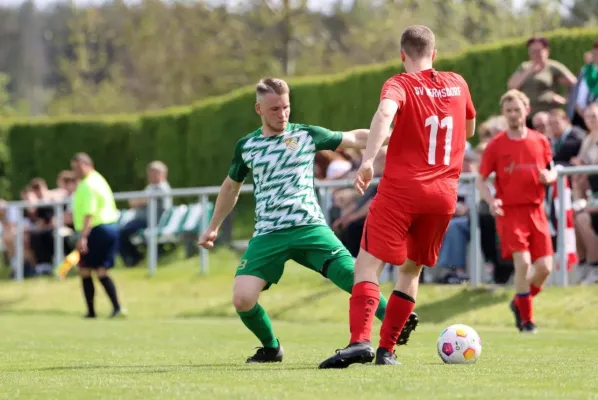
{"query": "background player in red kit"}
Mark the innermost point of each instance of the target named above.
(417, 194)
(521, 159)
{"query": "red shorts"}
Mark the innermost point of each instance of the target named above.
(524, 228)
(394, 235)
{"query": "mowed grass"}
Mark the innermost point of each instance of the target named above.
(182, 340)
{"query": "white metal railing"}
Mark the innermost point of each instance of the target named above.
(562, 275)
(203, 193)
(325, 191)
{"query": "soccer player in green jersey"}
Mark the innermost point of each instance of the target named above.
(290, 224)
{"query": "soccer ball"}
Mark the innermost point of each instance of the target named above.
(459, 344)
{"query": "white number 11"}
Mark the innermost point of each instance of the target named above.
(447, 122)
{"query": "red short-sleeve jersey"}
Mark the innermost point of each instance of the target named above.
(426, 149)
(517, 164)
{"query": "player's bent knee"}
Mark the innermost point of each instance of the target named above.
(102, 272)
(246, 292)
(543, 266)
(84, 272)
(522, 260)
(243, 303)
(340, 271)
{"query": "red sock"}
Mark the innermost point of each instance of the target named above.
(400, 306)
(524, 305)
(534, 290)
(364, 301)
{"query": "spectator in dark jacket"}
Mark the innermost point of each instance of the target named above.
(566, 138)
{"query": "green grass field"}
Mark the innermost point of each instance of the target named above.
(182, 340)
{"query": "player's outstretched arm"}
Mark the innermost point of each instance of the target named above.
(227, 198)
(358, 139)
(379, 129)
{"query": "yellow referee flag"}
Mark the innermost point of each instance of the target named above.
(69, 262)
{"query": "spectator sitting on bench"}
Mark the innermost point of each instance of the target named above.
(157, 173)
(42, 233)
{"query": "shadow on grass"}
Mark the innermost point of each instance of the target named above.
(166, 368)
(224, 308)
(43, 312)
(461, 302)
(4, 304)
(304, 301)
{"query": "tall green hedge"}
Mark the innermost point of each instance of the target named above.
(197, 141)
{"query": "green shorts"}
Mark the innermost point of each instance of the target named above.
(311, 246)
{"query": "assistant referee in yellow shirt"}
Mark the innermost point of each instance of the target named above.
(95, 219)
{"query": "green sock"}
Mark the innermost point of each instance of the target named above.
(341, 272)
(258, 322)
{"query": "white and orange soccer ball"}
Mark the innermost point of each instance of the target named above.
(459, 344)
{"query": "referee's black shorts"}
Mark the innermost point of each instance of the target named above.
(102, 247)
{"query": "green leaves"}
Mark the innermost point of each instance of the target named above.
(197, 142)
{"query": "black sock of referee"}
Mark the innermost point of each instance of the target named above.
(108, 284)
(89, 291)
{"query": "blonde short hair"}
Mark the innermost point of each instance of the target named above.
(157, 166)
(271, 85)
(513, 95)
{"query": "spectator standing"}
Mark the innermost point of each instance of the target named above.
(540, 77)
(566, 139)
(94, 217)
(157, 177)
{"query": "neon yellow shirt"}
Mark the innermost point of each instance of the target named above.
(94, 197)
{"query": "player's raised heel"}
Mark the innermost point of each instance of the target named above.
(385, 357)
(354, 353)
(516, 313)
(529, 328)
(266, 355)
(409, 327)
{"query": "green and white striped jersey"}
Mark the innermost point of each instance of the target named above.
(283, 174)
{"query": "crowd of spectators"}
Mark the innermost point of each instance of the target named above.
(39, 222)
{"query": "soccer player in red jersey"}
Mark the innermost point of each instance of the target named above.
(417, 195)
(521, 159)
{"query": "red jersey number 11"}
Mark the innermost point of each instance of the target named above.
(446, 123)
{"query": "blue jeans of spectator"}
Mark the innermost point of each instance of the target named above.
(128, 251)
(453, 252)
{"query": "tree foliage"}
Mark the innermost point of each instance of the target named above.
(120, 56)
